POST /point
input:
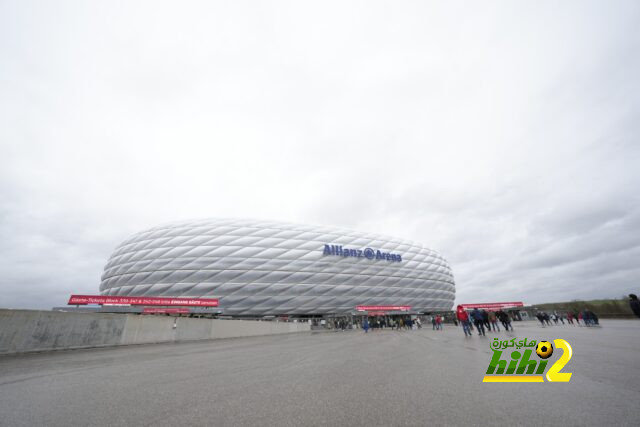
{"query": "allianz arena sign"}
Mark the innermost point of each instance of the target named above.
(367, 253)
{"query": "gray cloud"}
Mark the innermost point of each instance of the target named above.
(503, 136)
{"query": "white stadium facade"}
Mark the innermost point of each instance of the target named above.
(258, 268)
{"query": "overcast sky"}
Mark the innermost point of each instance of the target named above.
(502, 134)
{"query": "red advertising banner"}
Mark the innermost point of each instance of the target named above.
(105, 299)
(383, 307)
(493, 305)
(153, 310)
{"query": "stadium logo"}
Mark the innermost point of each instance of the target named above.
(367, 253)
(520, 368)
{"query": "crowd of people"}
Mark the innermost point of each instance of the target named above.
(397, 322)
(586, 316)
(436, 321)
(484, 321)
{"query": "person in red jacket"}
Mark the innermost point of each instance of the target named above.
(570, 317)
(463, 318)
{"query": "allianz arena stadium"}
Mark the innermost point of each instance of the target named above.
(272, 268)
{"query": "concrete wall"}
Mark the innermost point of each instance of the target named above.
(23, 331)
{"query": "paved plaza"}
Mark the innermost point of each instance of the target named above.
(383, 378)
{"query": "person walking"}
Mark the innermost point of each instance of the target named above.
(494, 321)
(463, 318)
(634, 304)
(478, 321)
(570, 317)
(504, 319)
(501, 317)
(485, 320)
(365, 326)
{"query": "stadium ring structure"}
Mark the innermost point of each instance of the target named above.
(273, 268)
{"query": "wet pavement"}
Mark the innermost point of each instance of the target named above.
(383, 378)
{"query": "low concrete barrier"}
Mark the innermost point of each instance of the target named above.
(23, 331)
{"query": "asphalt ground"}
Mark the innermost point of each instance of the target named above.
(384, 378)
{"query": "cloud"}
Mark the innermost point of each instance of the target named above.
(503, 136)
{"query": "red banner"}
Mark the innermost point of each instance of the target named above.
(493, 305)
(105, 299)
(153, 310)
(383, 307)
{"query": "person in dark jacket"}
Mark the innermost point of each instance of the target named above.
(485, 319)
(634, 304)
(478, 321)
(505, 319)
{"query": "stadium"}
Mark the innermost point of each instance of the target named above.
(258, 268)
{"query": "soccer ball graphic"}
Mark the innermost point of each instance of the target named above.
(544, 349)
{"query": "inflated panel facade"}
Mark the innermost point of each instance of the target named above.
(272, 268)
